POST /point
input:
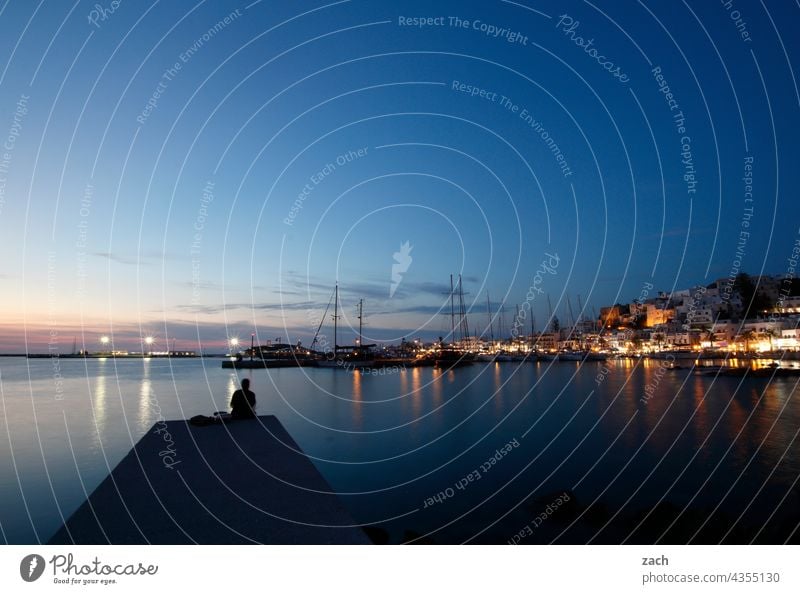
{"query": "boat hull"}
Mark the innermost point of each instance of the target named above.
(264, 363)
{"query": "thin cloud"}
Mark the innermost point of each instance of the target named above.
(117, 258)
(228, 307)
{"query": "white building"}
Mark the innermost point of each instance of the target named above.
(789, 339)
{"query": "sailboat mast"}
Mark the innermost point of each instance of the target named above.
(463, 324)
(460, 312)
(336, 319)
(452, 312)
(360, 316)
(489, 314)
(501, 319)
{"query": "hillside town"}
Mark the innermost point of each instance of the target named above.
(744, 314)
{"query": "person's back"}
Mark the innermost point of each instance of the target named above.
(243, 402)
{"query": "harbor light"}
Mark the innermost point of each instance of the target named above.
(104, 340)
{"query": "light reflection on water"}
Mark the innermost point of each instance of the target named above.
(358, 413)
(430, 427)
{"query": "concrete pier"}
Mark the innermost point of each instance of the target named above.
(238, 483)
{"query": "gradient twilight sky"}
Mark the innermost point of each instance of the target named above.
(171, 219)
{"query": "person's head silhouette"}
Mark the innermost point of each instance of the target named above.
(245, 384)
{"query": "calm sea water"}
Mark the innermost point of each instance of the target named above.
(614, 452)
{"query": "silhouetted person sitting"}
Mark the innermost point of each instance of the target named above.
(243, 402)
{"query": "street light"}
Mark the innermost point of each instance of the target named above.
(149, 342)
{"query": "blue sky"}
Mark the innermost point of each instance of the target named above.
(266, 102)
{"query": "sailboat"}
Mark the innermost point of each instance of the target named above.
(347, 357)
(449, 355)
